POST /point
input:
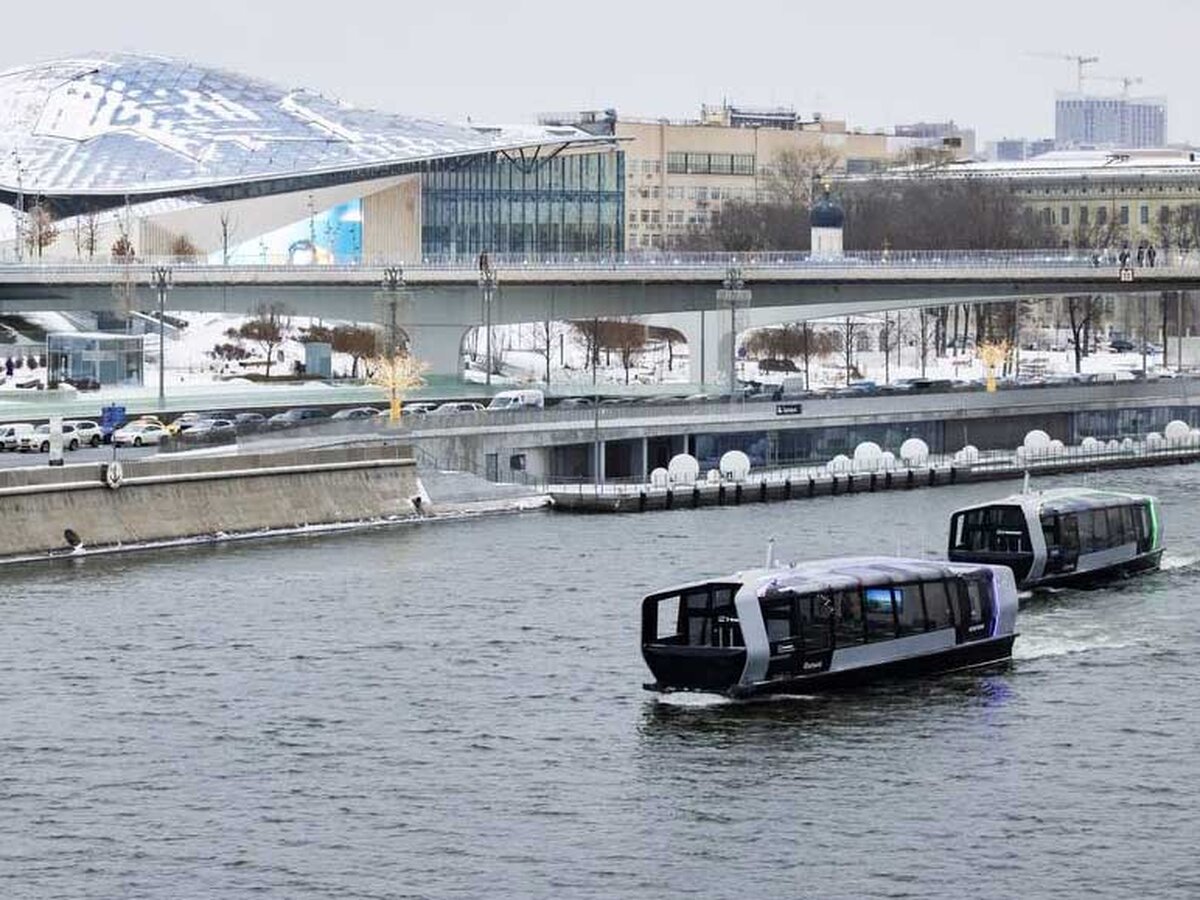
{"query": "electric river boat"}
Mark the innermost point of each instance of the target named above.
(1061, 537)
(826, 625)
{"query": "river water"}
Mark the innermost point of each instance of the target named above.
(455, 710)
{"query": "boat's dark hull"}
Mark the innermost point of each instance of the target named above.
(971, 655)
(1146, 562)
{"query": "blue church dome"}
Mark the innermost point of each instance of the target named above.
(826, 213)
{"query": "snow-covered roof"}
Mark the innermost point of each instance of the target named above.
(123, 123)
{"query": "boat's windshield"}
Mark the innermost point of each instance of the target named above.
(990, 529)
(699, 616)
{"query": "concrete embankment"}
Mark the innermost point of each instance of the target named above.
(163, 499)
(800, 484)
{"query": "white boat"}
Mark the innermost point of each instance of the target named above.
(1061, 537)
(826, 625)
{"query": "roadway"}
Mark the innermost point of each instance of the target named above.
(12, 459)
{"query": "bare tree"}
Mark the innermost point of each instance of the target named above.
(359, 342)
(627, 336)
(850, 329)
(545, 334)
(229, 226)
(42, 229)
(183, 250)
(794, 172)
(269, 327)
(1079, 313)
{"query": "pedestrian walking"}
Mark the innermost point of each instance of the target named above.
(1141, 255)
(1151, 254)
(1123, 257)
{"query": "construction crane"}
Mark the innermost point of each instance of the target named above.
(1080, 62)
(1126, 82)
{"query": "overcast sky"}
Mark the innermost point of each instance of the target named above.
(873, 63)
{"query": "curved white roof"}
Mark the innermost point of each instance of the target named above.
(127, 123)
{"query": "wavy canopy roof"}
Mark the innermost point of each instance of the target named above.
(132, 124)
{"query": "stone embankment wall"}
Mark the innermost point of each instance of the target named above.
(163, 499)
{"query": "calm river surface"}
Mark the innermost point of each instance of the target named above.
(455, 710)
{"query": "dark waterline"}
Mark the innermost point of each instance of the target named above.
(456, 712)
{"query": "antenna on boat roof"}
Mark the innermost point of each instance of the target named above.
(770, 553)
(1025, 486)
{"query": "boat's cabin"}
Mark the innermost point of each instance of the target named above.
(1039, 535)
(783, 625)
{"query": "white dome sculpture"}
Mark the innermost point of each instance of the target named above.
(1176, 431)
(914, 451)
(1037, 441)
(1090, 445)
(840, 463)
(659, 477)
(735, 465)
(1057, 447)
(887, 460)
(714, 476)
(1113, 446)
(1126, 445)
(967, 455)
(683, 469)
(1154, 441)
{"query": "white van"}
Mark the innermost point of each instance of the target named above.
(524, 399)
(10, 435)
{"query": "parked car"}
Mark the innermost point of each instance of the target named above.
(184, 422)
(294, 417)
(358, 412)
(39, 438)
(249, 422)
(83, 384)
(87, 431)
(1120, 345)
(210, 428)
(10, 435)
(776, 365)
(419, 408)
(454, 407)
(138, 433)
(149, 420)
(568, 402)
(517, 400)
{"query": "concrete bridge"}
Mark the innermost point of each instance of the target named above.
(437, 301)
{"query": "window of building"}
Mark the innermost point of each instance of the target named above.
(1123, 215)
(1144, 215)
(1047, 216)
(1083, 215)
(720, 163)
(676, 163)
(1164, 215)
(697, 163)
(655, 217)
(1064, 216)
(645, 215)
(743, 164)
(1101, 215)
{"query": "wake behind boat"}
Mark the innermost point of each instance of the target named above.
(826, 625)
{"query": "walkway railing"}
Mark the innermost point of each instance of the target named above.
(633, 260)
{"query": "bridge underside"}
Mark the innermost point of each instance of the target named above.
(436, 316)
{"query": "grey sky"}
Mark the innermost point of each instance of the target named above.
(875, 63)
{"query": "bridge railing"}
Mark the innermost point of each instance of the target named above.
(500, 263)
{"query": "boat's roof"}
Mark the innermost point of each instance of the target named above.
(1069, 499)
(843, 573)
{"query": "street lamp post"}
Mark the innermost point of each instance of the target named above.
(161, 279)
(393, 284)
(734, 294)
(487, 284)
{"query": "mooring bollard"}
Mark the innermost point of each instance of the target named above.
(787, 488)
(695, 498)
(887, 480)
(812, 486)
(932, 476)
(953, 475)
(872, 488)
(849, 484)
(737, 495)
(641, 501)
(910, 480)
(670, 498)
(833, 486)
(721, 495)
(762, 492)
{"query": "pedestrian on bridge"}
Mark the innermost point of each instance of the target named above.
(1151, 255)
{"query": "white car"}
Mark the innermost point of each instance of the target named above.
(88, 432)
(139, 433)
(39, 439)
(456, 406)
(10, 435)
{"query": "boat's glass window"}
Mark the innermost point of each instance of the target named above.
(976, 600)
(778, 616)
(1099, 519)
(1069, 527)
(696, 606)
(1050, 530)
(711, 617)
(992, 529)
(937, 604)
(1142, 520)
(910, 613)
(849, 625)
(881, 625)
(668, 618)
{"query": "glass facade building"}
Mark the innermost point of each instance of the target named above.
(107, 359)
(571, 203)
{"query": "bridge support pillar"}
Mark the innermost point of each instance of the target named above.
(439, 347)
